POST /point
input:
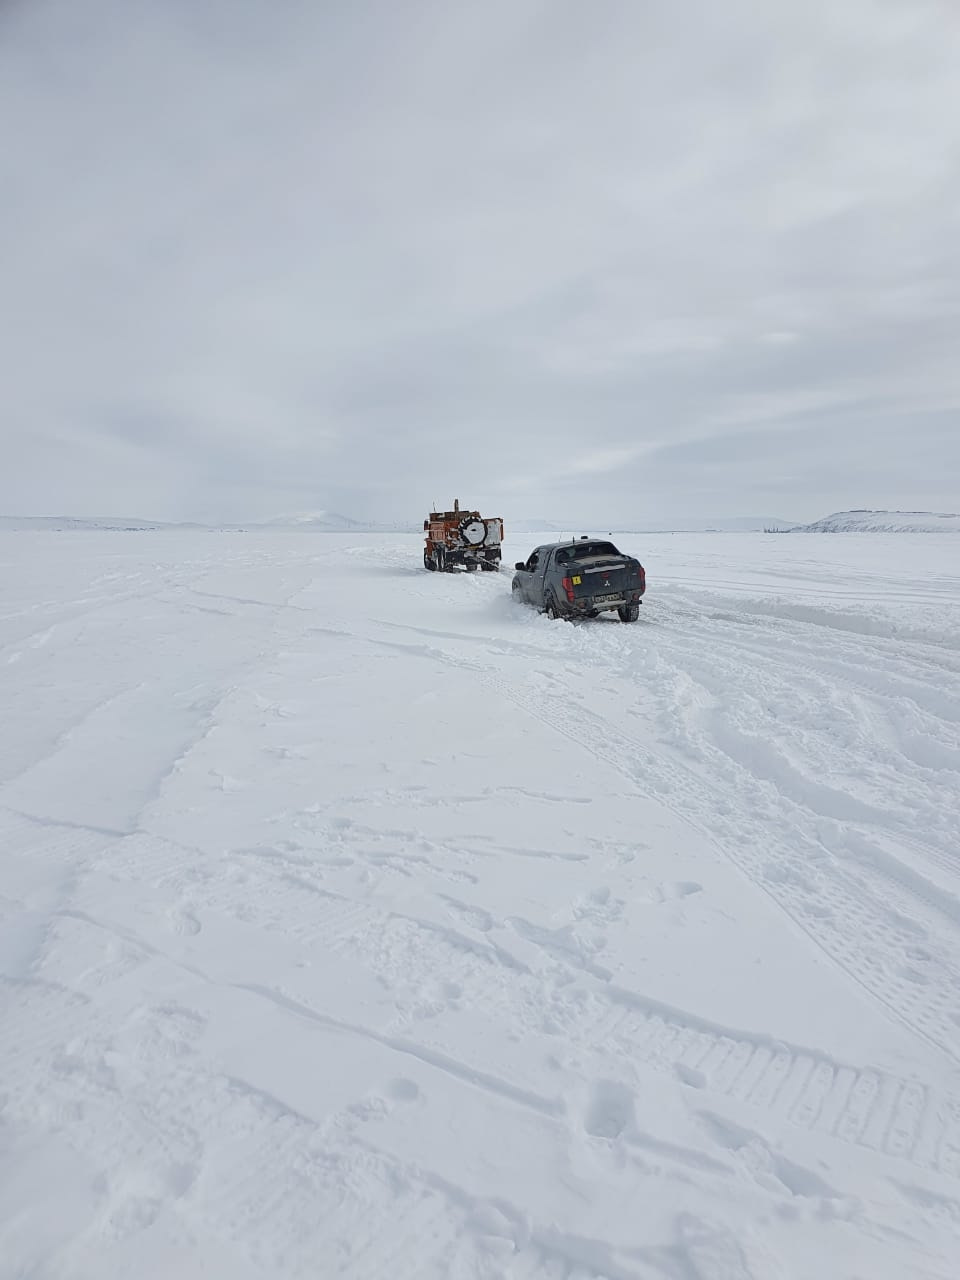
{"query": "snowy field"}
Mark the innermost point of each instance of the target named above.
(356, 922)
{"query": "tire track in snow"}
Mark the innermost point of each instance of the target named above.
(831, 910)
(275, 1167)
(865, 1107)
(914, 935)
(171, 1132)
(841, 711)
(861, 1106)
(829, 905)
(900, 896)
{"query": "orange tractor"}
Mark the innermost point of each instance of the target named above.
(462, 539)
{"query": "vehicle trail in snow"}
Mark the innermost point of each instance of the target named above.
(824, 852)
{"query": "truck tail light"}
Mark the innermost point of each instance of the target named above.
(568, 588)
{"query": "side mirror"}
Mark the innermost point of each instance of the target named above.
(520, 565)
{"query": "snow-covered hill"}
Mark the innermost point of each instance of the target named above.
(882, 522)
(79, 523)
(315, 522)
(334, 522)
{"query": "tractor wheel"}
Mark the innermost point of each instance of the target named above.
(428, 561)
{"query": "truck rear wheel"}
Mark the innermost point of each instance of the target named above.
(629, 612)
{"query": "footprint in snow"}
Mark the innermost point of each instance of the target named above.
(183, 923)
(611, 1110)
(671, 891)
(690, 1076)
(227, 783)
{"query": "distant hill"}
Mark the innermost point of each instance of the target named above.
(111, 523)
(315, 522)
(863, 521)
(859, 521)
(333, 522)
(669, 524)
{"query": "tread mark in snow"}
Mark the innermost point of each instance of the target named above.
(921, 1008)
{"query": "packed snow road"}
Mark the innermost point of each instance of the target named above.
(357, 922)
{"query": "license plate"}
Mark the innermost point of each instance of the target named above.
(613, 595)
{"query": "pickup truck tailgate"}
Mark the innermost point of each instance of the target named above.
(607, 577)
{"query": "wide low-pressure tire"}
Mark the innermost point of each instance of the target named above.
(490, 566)
(471, 566)
(440, 558)
(628, 612)
(428, 561)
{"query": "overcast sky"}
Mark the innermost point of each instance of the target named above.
(613, 260)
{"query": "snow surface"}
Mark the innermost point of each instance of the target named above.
(882, 522)
(358, 922)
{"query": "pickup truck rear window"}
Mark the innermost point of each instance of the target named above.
(586, 551)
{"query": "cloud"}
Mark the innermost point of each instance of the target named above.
(547, 256)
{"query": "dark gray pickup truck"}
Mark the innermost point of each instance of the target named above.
(580, 579)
